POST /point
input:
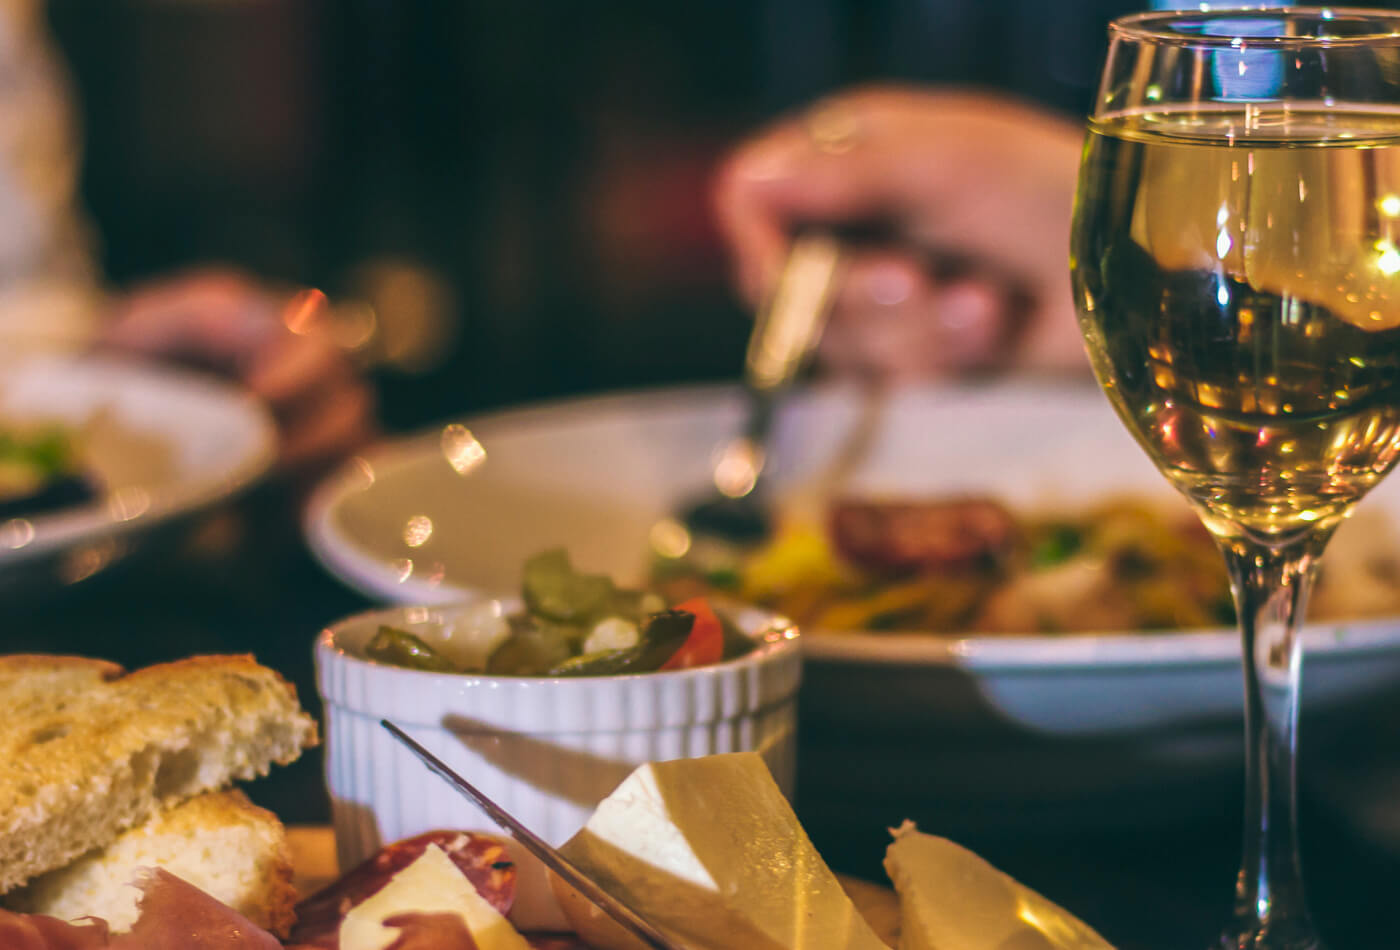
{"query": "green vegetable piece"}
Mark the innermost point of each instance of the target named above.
(602, 663)
(51, 450)
(48, 450)
(573, 635)
(401, 648)
(661, 637)
(553, 589)
(1061, 542)
(725, 578)
(532, 649)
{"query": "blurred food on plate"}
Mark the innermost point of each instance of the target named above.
(42, 468)
(974, 565)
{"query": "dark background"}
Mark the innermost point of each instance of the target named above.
(546, 164)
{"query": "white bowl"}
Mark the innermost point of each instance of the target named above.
(547, 750)
(594, 475)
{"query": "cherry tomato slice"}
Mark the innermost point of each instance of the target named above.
(705, 644)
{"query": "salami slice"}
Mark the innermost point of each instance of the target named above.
(907, 536)
(482, 858)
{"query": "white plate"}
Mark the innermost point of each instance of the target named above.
(595, 474)
(161, 443)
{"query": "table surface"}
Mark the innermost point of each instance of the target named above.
(241, 581)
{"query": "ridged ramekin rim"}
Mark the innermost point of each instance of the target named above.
(328, 650)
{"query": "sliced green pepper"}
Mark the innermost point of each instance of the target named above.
(661, 637)
(401, 648)
(602, 663)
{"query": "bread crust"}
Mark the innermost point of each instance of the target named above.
(26, 663)
(64, 671)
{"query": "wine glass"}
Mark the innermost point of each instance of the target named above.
(1236, 268)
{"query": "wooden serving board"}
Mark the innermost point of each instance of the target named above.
(313, 859)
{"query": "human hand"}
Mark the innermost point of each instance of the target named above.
(268, 341)
(978, 192)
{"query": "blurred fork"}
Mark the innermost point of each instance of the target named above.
(784, 335)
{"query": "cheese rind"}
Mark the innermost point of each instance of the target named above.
(430, 885)
(951, 899)
(709, 850)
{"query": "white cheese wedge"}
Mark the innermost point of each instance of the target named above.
(430, 885)
(950, 899)
(709, 851)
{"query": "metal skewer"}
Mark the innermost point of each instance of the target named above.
(629, 919)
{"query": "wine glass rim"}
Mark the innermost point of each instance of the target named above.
(1154, 26)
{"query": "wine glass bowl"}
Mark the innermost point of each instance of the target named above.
(1236, 267)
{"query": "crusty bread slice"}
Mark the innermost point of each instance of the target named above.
(220, 842)
(34, 684)
(97, 753)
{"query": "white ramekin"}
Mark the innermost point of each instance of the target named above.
(547, 750)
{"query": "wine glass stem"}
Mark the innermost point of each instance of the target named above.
(1271, 586)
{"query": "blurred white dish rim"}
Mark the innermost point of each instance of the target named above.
(409, 524)
(161, 442)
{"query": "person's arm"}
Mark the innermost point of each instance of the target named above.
(275, 342)
(51, 293)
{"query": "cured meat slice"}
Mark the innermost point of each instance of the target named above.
(176, 915)
(482, 858)
(430, 932)
(37, 932)
(911, 536)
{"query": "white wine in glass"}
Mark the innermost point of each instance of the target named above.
(1236, 265)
